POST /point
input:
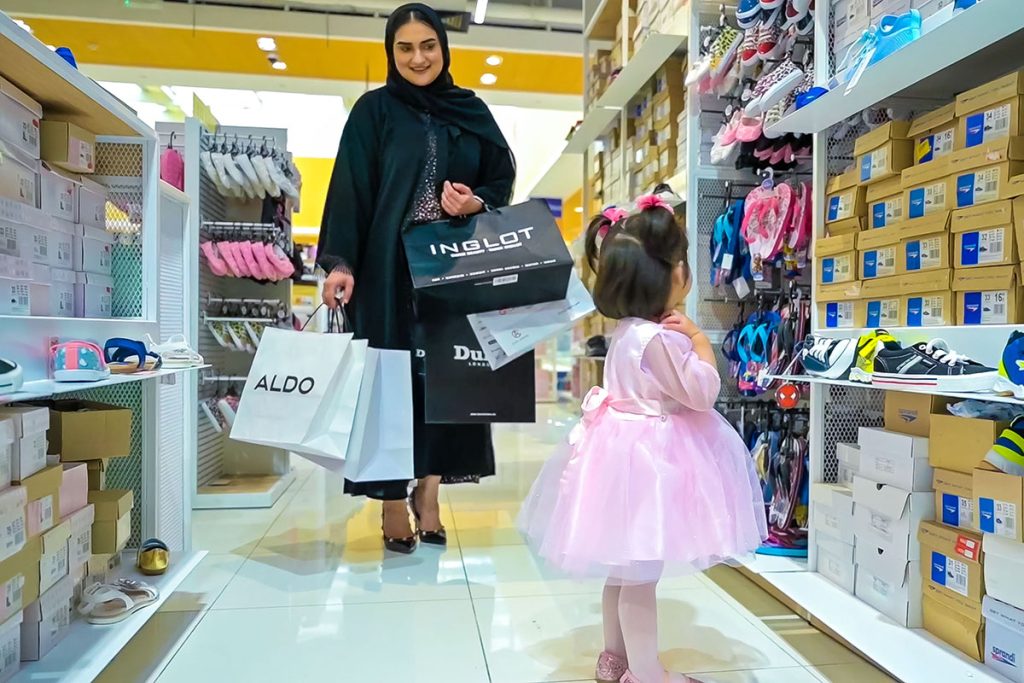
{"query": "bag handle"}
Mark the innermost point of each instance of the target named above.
(337, 319)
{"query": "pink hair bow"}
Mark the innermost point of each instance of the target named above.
(614, 215)
(651, 201)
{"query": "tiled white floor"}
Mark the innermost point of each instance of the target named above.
(305, 592)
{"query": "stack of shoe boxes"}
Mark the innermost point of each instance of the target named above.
(832, 520)
(55, 249)
(892, 493)
(669, 106)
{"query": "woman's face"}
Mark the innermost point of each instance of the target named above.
(418, 53)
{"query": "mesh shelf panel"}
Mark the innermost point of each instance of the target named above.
(119, 167)
(847, 409)
(124, 473)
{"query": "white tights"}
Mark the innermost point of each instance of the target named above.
(631, 628)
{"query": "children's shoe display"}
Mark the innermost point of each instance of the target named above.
(827, 358)
(748, 12)
(1007, 452)
(1011, 366)
(78, 361)
(11, 376)
(867, 348)
(175, 352)
(931, 365)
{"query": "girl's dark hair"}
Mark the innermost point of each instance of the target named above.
(634, 262)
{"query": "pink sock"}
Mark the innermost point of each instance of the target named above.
(638, 615)
(613, 642)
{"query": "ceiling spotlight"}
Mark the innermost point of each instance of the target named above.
(494, 60)
(23, 25)
(480, 11)
(578, 209)
(266, 44)
(279, 65)
(488, 79)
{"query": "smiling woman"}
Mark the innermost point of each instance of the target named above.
(418, 150)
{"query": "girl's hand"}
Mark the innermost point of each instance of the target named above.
(458, 200)
(677, 322)
(338, 287)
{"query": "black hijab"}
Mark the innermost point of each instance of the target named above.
(442, 99)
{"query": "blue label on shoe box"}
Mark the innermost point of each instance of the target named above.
(865, 168)
(874, 313)
(915, 305)
(916, 208)
(832, 315)
(938, 568)
(870, 264)
(971, 315)
(914, 255)
(965, 190)
(878, 215)
(950, 509)
(987, 521)
(969, 248)
(975, 130)
(833, 209)
(828, 270)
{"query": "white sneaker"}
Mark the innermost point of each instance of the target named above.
(175, 352)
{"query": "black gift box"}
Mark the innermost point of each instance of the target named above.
(504, 258)
(461, 388)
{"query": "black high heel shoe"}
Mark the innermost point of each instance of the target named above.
(438, 538)
(404, 546)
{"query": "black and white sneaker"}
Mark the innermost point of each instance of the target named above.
(10, 376)
(931, 365)
(827, 358)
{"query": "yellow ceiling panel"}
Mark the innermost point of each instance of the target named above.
(307, 57)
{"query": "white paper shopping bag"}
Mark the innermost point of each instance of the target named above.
(381, 448)
(301, 393)
(509, 333)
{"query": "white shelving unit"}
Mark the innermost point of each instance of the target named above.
(154, 272)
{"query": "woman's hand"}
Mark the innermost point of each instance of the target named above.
(458, 200)
(338, 287)
(677, 322)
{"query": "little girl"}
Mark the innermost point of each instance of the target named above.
(653, 480)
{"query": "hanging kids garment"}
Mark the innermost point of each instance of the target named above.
(653, 481)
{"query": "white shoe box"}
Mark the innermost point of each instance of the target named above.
(849, 462)
(57, 193)
(28, 456)
(10, 647)
(890, 584)
(1004, 638)
(1004, 567)
(836, 562)
(94, 295)
(19, 119)
(881, 8)
(26, 419)
(886, 518)
(6, 451)
(93, 250)
(893, 458)
(53, 291)
(832, 512)
(19, 177)
(929, 8)
(47, 620)
(92, 204)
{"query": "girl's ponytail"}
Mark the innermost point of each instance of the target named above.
(597, 230)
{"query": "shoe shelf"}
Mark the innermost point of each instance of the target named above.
(561, 178)
(87, 648)
(602, 23)
(909, 655)
(983, 343)
(43, 388)
(807, 379)
(955, 55)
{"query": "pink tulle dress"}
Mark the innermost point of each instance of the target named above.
(652, 481)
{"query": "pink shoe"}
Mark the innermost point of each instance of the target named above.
(669, 678)
(610, 668)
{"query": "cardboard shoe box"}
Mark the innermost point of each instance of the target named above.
(840, 307)
(836, 562)
(885, 203)
(848, 455)
(998, 499)
(934, 134)
(960, 443)
(989, 296)
(954, 499)
(990, 111)
(98, 474)
(900, 460)
(844, 199)
(53, 563)
(928, 300)
(19, 579)
(57, 193)
(80, 542)
(929, 198)
(924, 244)
(877, 250)
(94, 295)
(88, 430)
(883, 303)
(46, 621)
(13, 533)
(19, 119)
(833, 512)
(74, 488)
(890, 584)
(10, 648)
(1004, 638)
(954, 619)
(984, 236)
(19, 178)
(93, 250)
(886, 161)
(68, 146)
(91, 210)
(911, 413)
(954, 585)
(986, 184)
(836, 258)
(886, 518)
(1004, 565)
(6, 451)
(43, 499)
(113, 519)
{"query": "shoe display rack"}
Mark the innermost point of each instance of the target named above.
(954, 54)
(153, 267)
(230, 474)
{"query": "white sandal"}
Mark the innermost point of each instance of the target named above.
(109, 603)
(176, 352)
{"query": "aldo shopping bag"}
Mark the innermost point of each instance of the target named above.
(504, 258)
(459, 385)
(301, 394)
(381, 448)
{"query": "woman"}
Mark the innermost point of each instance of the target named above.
(418, 150)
